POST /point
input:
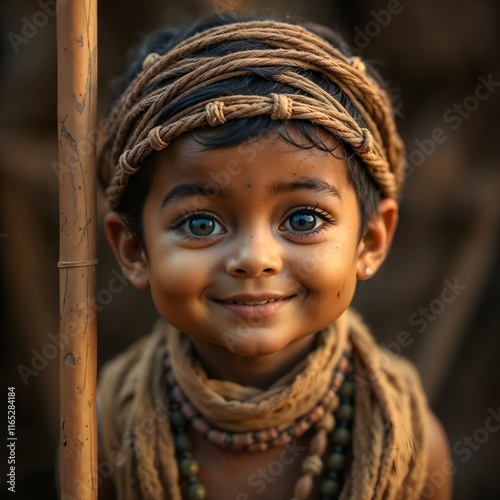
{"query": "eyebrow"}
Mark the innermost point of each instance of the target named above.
(184, 190)
(308, 183)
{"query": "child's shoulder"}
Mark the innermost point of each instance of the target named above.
(121, 376)
(440, 468)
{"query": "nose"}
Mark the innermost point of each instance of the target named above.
(255, 254)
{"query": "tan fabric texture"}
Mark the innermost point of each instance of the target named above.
(390, 442)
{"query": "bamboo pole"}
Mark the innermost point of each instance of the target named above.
(76, 114)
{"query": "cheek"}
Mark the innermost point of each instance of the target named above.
(177, 280)
(329, 273)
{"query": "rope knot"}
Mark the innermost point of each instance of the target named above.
(357, 63)
(366, 142)
(124, 164)
(156, 140)
(282, 107)
(150, 60)
(215, 113)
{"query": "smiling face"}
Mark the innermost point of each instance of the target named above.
(250, 256)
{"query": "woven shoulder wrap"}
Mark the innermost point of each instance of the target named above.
(390, 438)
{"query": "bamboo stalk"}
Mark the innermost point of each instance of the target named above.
(77, 76)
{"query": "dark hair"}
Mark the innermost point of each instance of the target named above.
(256, 81)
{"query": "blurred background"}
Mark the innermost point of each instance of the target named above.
(434, 301)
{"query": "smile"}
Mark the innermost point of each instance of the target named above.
(250, 303)
(255, 309)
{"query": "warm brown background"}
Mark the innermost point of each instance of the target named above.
(433, 52)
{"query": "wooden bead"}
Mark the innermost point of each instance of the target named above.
(242, 440)
(274, 432)
(334, 403)
(347, 389)
(258, 447)
(217, 437)
(188, 411)
(177, 418)
(330, 487)
(196, 492)
(313, 465)
(343, 365)
(264, 435)
(319, 443)
(189, 467)
(303, 487)
(300, 428)
(345, 412)
(282, 439)
(170, 378)
(317, 413)
(327, 422)
(333, 474)
(341, 436)
(338, 378)
(183, 442)
(200, 425)
(176, 391)
(336, 461)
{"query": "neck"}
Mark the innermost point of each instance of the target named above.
(256, 371)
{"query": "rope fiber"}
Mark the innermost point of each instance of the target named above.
(143, 120)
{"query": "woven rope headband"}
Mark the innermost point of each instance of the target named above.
(137, 124)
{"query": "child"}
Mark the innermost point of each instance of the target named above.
(253, 169)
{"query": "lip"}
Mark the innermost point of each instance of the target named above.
(259, 306)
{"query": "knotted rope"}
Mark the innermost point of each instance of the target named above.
(142, 120)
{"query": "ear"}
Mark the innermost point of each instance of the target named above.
(128, 251)
(377, 238)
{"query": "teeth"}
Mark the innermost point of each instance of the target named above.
(256, 303)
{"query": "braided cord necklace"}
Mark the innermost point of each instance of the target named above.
(331, 418)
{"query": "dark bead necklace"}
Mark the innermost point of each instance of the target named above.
(334, 427)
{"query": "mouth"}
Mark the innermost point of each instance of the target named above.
(252, 303)
(252, 308)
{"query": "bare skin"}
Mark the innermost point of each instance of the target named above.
(220, 235)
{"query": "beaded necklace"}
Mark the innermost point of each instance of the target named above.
(332, 419)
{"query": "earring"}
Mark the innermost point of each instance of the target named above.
(368, 271)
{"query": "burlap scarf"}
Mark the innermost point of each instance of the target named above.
(390, 444)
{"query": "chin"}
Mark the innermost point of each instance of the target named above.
(255, 344)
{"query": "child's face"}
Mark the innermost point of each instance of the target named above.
(263, 222)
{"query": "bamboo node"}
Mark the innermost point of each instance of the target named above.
(77, 263)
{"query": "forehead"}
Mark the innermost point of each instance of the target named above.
(257, 159)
